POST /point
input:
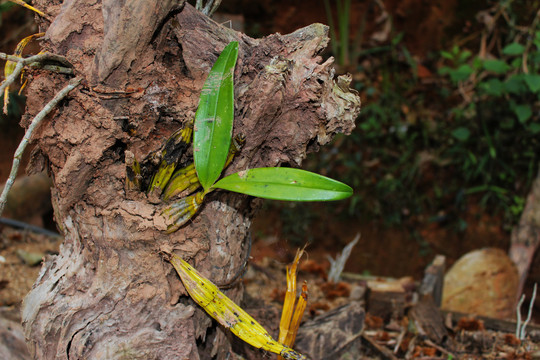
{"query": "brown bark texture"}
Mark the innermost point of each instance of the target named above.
(109, 294)
(525, 238)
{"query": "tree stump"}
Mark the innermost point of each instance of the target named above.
(108, 294)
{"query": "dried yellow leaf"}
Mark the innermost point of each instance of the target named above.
(291, 315)
(226, 312)
(290, 297)
(22, 3)
(10, 65)
(297, 316)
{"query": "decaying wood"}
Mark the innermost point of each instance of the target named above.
(12, 344)
(525, 238)
(426, 314)
(333, 335)
(386, 304)
(429, 321)
(433, 281)
(505, 326)
(108, 294)
(388, 298)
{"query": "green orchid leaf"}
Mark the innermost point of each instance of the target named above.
(285, 184)
(214, 118)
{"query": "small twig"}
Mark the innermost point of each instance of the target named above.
(21, 62)
(440, 348)
(52, 68)
(528, 44)
(337, 265)
(400, 340)
(518, 315)
(29, 132)
(35, 58)
(411, 347)
(210, 7)
(383, 352)
(529, 314)
(340, 347)
(33, 61)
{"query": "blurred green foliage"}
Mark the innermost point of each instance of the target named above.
(464, 131)
(474, 131)
(5, 6)
(497, 120)
(343, 47)
(15, 109)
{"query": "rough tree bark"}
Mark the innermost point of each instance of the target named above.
(108, 294)
(525, 238)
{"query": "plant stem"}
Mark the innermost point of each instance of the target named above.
(344, 32)
(29, 132)
(333, 41)
(35, 58)
(33, 61)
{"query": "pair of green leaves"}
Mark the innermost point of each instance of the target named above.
(212, 138)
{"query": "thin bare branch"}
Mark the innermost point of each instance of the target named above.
(337, 265)
(518, 315)
(32, 60)
(29, 132)
(210, 7)
(35, 58)
(529, 314)
(35, 61)
(52, 68)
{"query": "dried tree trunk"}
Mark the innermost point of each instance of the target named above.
(525, 238)
(108, 294)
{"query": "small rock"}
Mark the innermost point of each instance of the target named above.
(482, 282)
